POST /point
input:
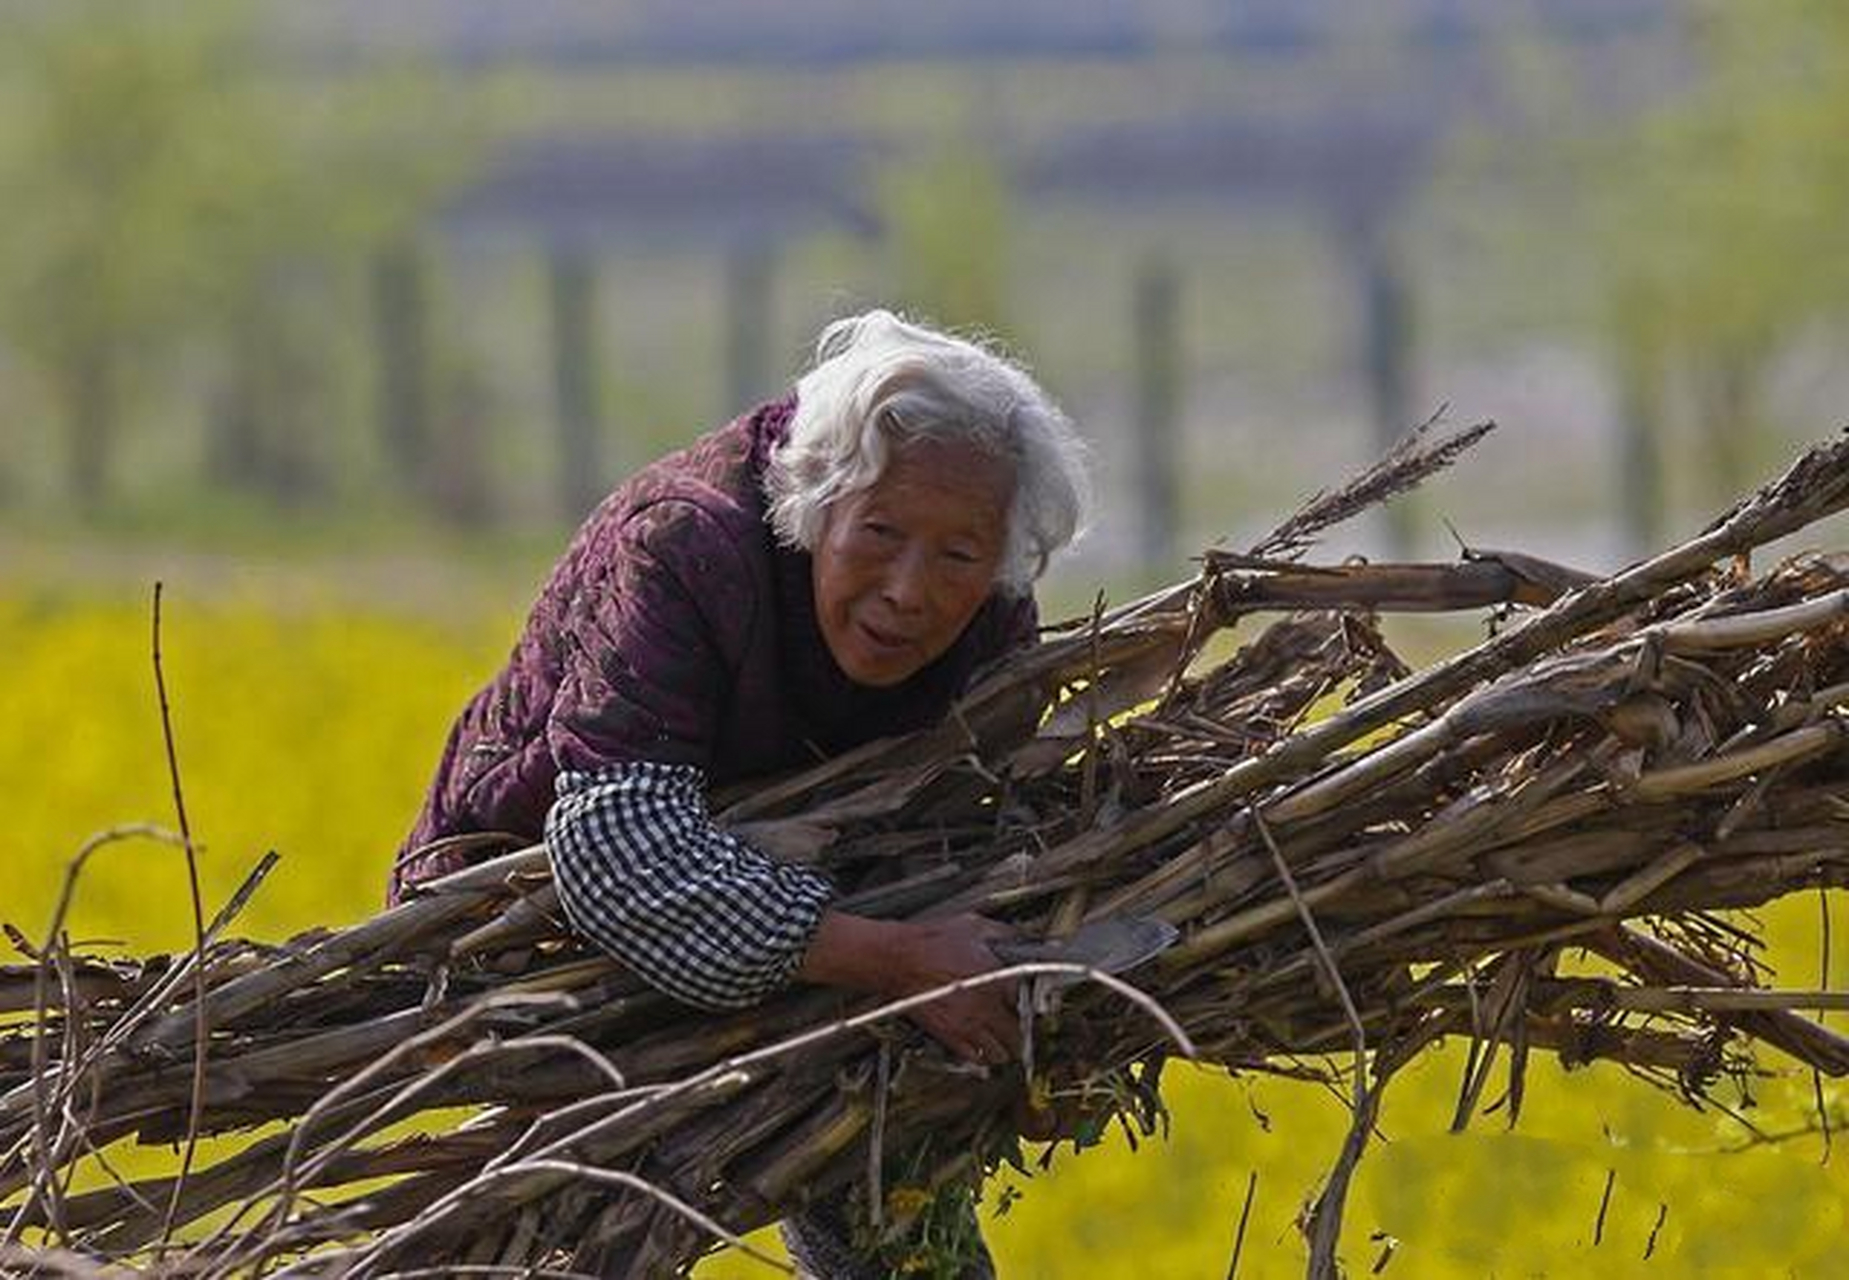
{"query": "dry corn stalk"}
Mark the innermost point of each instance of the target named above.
(1358, 858)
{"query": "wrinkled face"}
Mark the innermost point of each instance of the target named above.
(902, 566)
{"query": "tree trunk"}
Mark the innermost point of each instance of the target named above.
(296, 470)
(234, 433)
(1158, 395)
(91, 390)
(749, 324)
(1387, 345)
(402, 336)
(461, 491)
(1729, 416)
(268, 426)
(573, 286)
(1640, 432)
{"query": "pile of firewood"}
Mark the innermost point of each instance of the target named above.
(1352, 860)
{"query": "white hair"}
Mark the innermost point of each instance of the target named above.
(878, 382)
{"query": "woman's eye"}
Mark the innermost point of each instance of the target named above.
(879, 529)
(962, 555)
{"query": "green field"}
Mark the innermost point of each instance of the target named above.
(306, 722)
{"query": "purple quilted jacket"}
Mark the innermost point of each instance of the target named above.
(677, 630)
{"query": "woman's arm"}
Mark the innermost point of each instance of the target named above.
(694, 910)
(702, 915)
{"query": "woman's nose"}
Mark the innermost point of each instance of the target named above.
(907, 584)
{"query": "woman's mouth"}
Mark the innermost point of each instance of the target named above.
(884, 641)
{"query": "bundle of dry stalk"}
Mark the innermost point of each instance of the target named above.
(1358, 860)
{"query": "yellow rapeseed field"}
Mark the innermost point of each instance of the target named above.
(309, 729)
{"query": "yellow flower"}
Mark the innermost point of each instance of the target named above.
(907, 1202)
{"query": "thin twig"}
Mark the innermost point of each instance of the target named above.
(1598, 1226)
(73, 1074)
(876, 1142)
(1326, 1217)
(44, 1101)
(59, 1264)
(1662, 1216)
(284, 1188)
(201, 1028)
(1823, 980)
(362, 1266)
(1330, 972)
(1245, 1215)
(1325, 1224)
(72, 1131)
(524, 1271)
(1411, 460)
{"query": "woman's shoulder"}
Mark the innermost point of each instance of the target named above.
(716, 480)
(696, 514)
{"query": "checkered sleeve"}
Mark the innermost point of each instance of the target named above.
(694, 910)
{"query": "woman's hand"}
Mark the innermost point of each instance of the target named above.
(981, 1023)
(897, 958)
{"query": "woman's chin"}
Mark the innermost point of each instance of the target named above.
(878, 666)
(880, 673)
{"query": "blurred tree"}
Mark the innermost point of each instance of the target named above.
(1701, 236)
(460, 485)
(750, 320)
(157, 168)
(1387, 312)
(1156, 332)
(1723, 216)
(262, 432)
(571, 279)
(1637, 354)
(946, 217)
(401, 318)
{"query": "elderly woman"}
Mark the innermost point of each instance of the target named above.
(827, 569)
